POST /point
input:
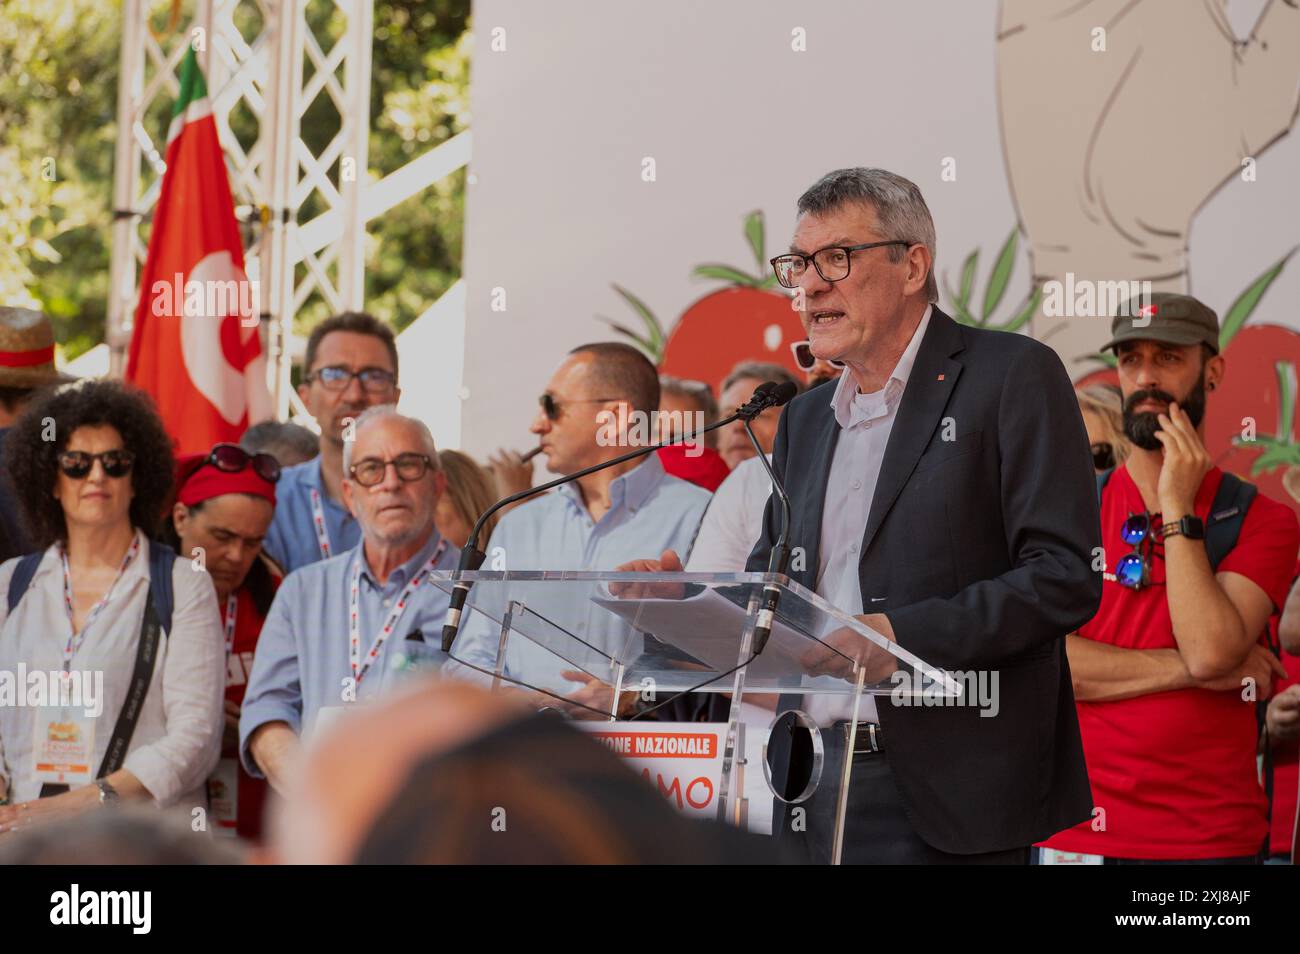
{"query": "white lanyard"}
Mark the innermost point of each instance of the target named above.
(359, 669)
(318, 518)
(232, 609)
(76, 639)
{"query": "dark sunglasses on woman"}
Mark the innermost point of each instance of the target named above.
(232, 458)
(804, 358)
(77, 464)
(1103, 456)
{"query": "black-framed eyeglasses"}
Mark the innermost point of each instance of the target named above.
(551, 407)
(832, 263)
(805, 359)
(370, 471)
(337, 378)
(231, 458)
(1103, 456)
(78, 464)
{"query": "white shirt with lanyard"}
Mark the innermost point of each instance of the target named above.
(359, 665)
(63, 735)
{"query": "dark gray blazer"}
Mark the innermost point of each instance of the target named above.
(981, 548)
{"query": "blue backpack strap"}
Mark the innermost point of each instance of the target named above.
(162, 559)
(1102, 479)
(1227, 514)
(22, 578)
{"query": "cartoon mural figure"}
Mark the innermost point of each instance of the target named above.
(1120, 119)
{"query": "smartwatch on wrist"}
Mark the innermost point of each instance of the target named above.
(1193, 528)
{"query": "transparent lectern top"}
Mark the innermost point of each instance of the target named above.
(678, 630)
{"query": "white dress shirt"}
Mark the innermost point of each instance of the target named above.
(177, 739)
(865, 422)
(734, 521)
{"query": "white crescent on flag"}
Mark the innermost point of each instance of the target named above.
(232, 391)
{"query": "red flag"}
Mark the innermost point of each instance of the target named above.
(195, 346)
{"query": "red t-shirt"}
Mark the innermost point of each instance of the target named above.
(1286, 776)
(250, 792)
(1175, 772)
(702, 466)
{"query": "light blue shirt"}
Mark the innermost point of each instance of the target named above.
(291, 540)
(650, 511)
(302, 659)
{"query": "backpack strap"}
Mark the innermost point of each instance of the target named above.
(1102, 480)
(22, 578)
(162, 559)
(1227, 515)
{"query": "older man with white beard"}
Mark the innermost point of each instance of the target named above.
(345, 630)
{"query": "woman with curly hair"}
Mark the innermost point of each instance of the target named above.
(91, 467)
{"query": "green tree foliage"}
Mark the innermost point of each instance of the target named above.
(58, 101)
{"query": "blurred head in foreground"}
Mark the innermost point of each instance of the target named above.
(450, 774)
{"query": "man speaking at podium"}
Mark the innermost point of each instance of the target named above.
(944, 487)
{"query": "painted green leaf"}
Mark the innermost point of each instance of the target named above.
(1002, 269)
(1104, 357)
(1027, 312)
(642, 343)
(1241, 309)
(1286, 390)
(727, 274)
(968, 276)
(654, 330)
(755, 233)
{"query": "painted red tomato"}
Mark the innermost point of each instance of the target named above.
(727, 327)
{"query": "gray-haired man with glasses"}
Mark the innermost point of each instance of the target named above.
(351, 365)
(346, 629)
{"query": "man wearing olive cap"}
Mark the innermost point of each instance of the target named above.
(1166, 675)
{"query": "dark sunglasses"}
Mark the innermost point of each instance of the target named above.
(551, 407)
(1134, 569)
(1103, 456)
(231, 458)
(77, 464)
(804, 357)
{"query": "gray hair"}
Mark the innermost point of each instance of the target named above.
(384, 412)
(697, 391)
(899, 206)
(287, 442)
(762, 371)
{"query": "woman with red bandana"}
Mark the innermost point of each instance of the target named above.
(224, 503)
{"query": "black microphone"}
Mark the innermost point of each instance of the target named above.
(778, 560)
(767, 394)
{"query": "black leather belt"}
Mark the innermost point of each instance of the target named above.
(870, 738)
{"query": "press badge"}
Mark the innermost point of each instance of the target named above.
(1051, 856)
(63, 746)
(223, 796)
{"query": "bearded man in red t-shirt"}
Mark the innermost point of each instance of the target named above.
(1167, 675)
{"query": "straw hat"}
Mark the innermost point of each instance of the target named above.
(27, 350)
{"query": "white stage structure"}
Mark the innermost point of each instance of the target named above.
(265, 75)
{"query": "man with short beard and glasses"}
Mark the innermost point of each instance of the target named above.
(1167, 674)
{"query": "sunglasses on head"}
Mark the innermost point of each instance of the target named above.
(805, 359)
(231, 458)
(78, 464)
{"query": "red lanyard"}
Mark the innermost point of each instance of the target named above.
(359, 668)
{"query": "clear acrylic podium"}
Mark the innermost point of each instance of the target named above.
(652, 636)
